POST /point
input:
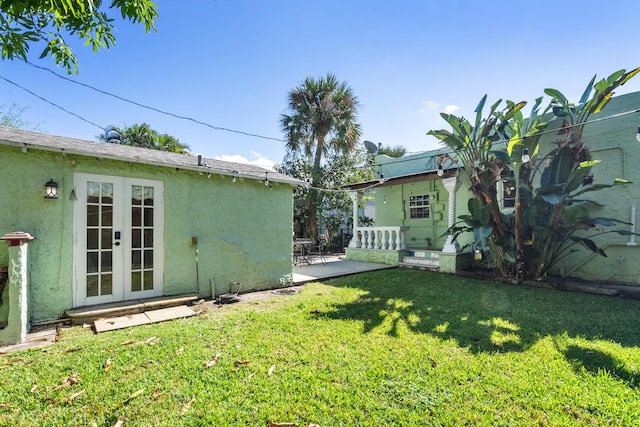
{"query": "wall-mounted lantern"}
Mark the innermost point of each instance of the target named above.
(51, 190)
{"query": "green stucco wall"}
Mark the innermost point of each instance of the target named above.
(613, 141)
(244, 229)
(422, 233)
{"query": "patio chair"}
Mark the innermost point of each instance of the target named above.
(320, 248)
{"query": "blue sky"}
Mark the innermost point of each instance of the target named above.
(231, 63)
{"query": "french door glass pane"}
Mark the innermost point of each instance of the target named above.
(148, 280)
(92, 285)
(92, 239)
(136, 281)
(93, 217)
(106, 287)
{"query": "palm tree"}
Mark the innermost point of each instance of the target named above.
(112, 134)
(321, 118)
(142, 136)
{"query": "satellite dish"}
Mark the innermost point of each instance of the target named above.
(371, 147)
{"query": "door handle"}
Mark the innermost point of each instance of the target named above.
(116, 244)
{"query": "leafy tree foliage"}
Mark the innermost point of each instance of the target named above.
(395, 151)
(550, 214)
(142, 136)
(321, 120)
(27, 22)
(12, 118)
(334, 205)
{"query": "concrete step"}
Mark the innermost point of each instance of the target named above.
(421, 261)
(423, 253)
(90, 313)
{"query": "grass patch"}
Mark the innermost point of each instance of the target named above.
(392, 347)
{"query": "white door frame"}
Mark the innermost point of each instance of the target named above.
(122, 248)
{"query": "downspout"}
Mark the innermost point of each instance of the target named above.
(632, 237)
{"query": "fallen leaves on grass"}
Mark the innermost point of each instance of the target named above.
(187, 405)
(130, 398)
(290, 424)
(179, 352)
(107, 364)
(34, 388)
(156, 394)
(242, 362)
(213, 361)
(73, 379)
(150, 341)
(250, 376)
(120, 423)
(271, 369)
(74, 395)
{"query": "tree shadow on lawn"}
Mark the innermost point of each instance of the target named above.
(481, 315)
(594, 361)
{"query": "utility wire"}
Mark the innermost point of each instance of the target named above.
(155, 109)
(53, 103)
(448, 150)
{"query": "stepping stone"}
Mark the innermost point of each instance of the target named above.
(104, 325)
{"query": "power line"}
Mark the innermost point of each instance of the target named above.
(53, 103)
(156, 109)
(502, 140)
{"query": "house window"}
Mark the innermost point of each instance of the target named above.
(507, 189)
(419, 207)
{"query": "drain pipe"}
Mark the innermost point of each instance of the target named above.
(632, 237)
(194, 243)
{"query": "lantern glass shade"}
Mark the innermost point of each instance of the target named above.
(51, 190)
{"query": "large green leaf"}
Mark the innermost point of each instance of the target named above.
(598, 187)
(577, 176)
(479, 109)
(587, 91)
(557, 95)
(480, 236)
(479, 213)
(561, 166)
(589, 244)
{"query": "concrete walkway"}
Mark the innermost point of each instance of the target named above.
(335, 266)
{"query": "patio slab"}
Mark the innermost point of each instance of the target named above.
(335, 266)
(146, 318)
(111, 324)
(170, 313)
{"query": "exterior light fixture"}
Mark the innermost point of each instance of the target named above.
(51, 190)
(385, 200)
(266, 178)
(440, 170)
(525, 155)
(638, 135)
(234, 176)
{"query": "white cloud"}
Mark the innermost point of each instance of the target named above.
(258, 159)
(450, 109)
(428, 106)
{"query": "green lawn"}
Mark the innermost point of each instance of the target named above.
(386, 348)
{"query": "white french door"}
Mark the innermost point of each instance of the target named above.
(118, 239)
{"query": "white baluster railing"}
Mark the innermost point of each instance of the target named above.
(380, 238)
